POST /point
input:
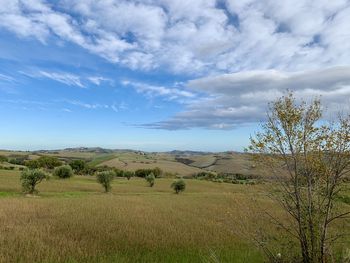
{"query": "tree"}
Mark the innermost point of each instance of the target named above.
(32, 164)
(49, 162)
(63, 172)
(3, 159)
(314, 156)
(150, 179)
(128, 174)
(78, 166)
(157, 172)
(178, 186)
(30, 178)
(105, 178)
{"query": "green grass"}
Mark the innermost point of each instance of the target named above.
(101, 158)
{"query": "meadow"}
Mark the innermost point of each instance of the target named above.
(73, 220)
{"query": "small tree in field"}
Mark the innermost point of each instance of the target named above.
(178, 186)
(315, 158)
(31, 178)
(151, 179)
(105, 178)
(78, 166)
(63, 172)
(128, 174)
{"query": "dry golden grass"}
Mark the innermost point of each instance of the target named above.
(167, 166)
(74, 221)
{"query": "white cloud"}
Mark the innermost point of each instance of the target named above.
(241, 98)
(194, 37)
(6, 78)
(159, 91)
(67, 78)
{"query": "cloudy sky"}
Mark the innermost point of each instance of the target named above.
(163, 74)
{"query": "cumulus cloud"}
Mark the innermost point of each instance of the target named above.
(241, 98)
(194, 37)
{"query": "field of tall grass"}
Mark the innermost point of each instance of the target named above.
(74, 221)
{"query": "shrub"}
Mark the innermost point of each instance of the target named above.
(105, 178)
(178, 186)
(128, 174)
(78, 166)
(63, 172)
(30, 178)
(3, 158)
(157, 172)
(18, 160)
(150, 179)
(119, 173)
(32, 164)
(49, 162)
(144, 172)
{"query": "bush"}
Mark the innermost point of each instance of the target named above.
(151, 179)
(144, 172)
(128, 174)
(18, 160)
(105, 178)
(3, 158)
(118, 172)
(78, 166)
(49, 162)
(30, 178)
(178, 186)
(63, 172)
(32, 164)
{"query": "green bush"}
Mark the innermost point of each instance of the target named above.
(105, 178)
(32, 164)
(78, 166)
(178, 186)
(30, 178)
(150, 179)
(144, 172)
(128, 174)
(63, 172)
(49, 162)
(3, 158)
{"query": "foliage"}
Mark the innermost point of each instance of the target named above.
(30, 178)
(46, 162)
(32, 164)
(315, 159)
(128, 174)
(18, 160)
(144, 172)
(63, 172)
(150, 179)
(178, 186)
(49, 162)
(105, 178)
(3, 159)
(78, 166)
(118, 172)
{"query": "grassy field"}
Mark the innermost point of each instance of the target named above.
(73, 221)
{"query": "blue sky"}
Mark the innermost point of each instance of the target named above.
(163, 75)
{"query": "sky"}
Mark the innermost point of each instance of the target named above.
(158, 75)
